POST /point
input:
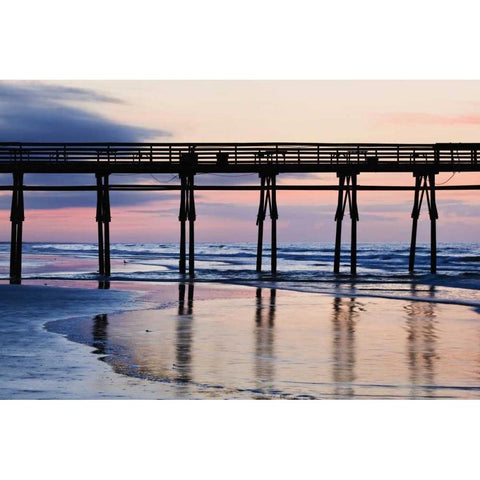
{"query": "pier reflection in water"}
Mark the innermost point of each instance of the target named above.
(104, 285)
(421, 353)
(184, 338)
(99, 333)
(264, 340)
(268, 344)
(344, 317)
(421, 346)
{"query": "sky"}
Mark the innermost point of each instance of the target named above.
(243, 111)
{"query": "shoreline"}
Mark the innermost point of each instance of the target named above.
(65, 369)
(142, 348)
(83, 376)
(422, 292)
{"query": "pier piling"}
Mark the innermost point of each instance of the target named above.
(415, 214)
(433, 212)
(182, 218)
(17, 216)
(191, 227)
(424, 186)
(268, 200)
(339, 218)
(260, 220)
(103, 219)
(187, 212)
(347, 193)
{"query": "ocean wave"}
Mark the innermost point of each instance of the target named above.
(382, 265)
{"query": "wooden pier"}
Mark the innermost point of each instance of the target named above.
(268, 160)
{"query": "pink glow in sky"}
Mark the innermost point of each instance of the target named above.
(197, 111)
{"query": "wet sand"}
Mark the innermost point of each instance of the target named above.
(38, 364)
(214, 341)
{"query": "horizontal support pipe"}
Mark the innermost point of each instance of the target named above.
(69, 188)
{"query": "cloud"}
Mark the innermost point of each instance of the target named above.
(42, 93)
(35, 112)
(59, 200)
(456, 209)
(416, 118)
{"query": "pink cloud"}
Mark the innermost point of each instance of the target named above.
(413, 118)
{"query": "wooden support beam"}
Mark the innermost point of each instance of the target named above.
(260, 220)
(424, 187)
(99, 220)
(268, 201)
(21, 218)
(191, 227)
(17, 216)
(13, 244)
(187, 212)
(433, 225)
(415, 215)
(191, 248)
(107, 218)
(347, 193)
(274, 218)
(103, 218)
(354, 220)
(339, 218)
(182, 217)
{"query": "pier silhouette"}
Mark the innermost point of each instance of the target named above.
(268, 160)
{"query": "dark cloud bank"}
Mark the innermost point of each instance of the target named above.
(36, 112)
(33, 112)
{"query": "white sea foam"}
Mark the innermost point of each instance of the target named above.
(382, 268)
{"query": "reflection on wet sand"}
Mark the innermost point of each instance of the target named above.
(421, 349)
(184, 337)
(264, 339)
(104, 285)
(181, 299)
(477, 355)
(99, 333)
(344, 319)
(304, 346)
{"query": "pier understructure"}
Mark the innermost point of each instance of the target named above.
(346, 162)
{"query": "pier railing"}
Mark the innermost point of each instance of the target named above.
(367, 154)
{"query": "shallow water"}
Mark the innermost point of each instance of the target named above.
(382, 334)
(279, 344)
(298, 262)
(38, 364)
(382, 267)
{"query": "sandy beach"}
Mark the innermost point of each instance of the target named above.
(38, 364)
(181, 341)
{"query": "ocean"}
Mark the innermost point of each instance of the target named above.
(382, 268)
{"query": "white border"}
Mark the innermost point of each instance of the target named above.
(252, 39)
